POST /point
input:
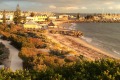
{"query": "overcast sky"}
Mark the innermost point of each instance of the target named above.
(73, 6)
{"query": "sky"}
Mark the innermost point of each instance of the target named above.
(63, 6)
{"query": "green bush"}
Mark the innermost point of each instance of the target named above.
(83, 70)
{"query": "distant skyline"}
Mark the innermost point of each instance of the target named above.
(63, 6)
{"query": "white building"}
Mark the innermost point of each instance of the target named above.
(64, 17)
(53, 18)
(9, 18)
(37, 18)
(32, 25)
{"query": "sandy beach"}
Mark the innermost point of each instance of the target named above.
(80, 46)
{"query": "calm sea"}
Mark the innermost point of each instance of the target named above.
(102, 35)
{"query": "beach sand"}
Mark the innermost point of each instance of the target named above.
(80, 46)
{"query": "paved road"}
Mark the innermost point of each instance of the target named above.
(14, 61)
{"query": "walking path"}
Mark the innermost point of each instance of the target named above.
(14, 62)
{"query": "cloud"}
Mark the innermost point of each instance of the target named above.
(83, 7)
(63, 5)
(110, 7)
(115, 7)
(71, 8)
(109, 3)
(52, 7)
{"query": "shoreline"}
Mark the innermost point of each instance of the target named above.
(84, 43)
(101, 49)
(94, 44)
(115, 54)
(81, 47)
(87, 21)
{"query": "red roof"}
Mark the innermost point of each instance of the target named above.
(51, 24)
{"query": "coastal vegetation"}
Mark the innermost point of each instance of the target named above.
(47, 60)
(55, 58)
(4, 52)
(36, 50)
(83, 70)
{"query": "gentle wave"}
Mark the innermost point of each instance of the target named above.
(115, 51)
(104, 35)
(70, 26)
(87, 39)
(73, 26)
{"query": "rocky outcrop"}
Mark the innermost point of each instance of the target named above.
(74, 33)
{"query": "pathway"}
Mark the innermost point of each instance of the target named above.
(14, 62)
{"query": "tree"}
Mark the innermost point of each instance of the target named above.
(89, 17)
(17, 15)
(24, 19)
(78, 16)
(32, 14)
(4, 16)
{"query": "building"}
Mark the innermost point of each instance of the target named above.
(40, 18)
(9, 16)
(28, 18)
(52, 25)
(37, 18)
(64, 17)
(32, 25)
(53, 18)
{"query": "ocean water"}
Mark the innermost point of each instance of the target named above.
(102, 35)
